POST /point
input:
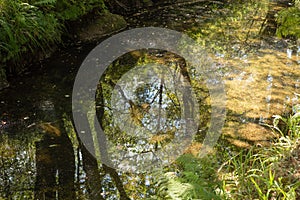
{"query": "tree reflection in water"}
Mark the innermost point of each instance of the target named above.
(55, 165)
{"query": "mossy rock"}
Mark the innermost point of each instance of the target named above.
(106, 24)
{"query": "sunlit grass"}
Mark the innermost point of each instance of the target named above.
(271, 172)
(266, 172)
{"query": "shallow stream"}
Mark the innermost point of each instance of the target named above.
(40, 155)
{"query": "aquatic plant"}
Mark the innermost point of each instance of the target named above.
(234, 30)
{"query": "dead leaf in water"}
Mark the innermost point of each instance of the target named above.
(50, 129)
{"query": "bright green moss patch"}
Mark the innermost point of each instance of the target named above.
(289, 22)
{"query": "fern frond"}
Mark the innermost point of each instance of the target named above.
(44, 2)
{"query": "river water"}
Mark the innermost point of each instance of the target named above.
(41, 156)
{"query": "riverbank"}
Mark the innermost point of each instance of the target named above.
(33, 31)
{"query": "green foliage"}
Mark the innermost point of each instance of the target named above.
(287, 126)
(201, 174)
(258, 173)
(43, 3)
(288, 21)
(26, 26)
(233, 28)
(196, 179)
(267, 173)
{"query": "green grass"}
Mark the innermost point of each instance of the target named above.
(266, 172)
(29, 26)
(263, 173)
(24, 28)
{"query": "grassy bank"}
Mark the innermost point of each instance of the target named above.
(271, 172)
(264, 173)
(31, 26)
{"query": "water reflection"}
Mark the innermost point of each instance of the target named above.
(160, 109)
(55, 165)
(153, 94)
(41, 155)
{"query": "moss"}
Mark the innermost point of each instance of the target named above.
(288, 21)
(106, 24)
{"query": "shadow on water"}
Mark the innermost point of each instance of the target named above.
(55, 165)
(42, 156)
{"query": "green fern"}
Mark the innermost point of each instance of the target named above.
(196, 180)
(44, 2)
(201, 174)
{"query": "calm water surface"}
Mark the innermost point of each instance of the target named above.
(40, 155)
